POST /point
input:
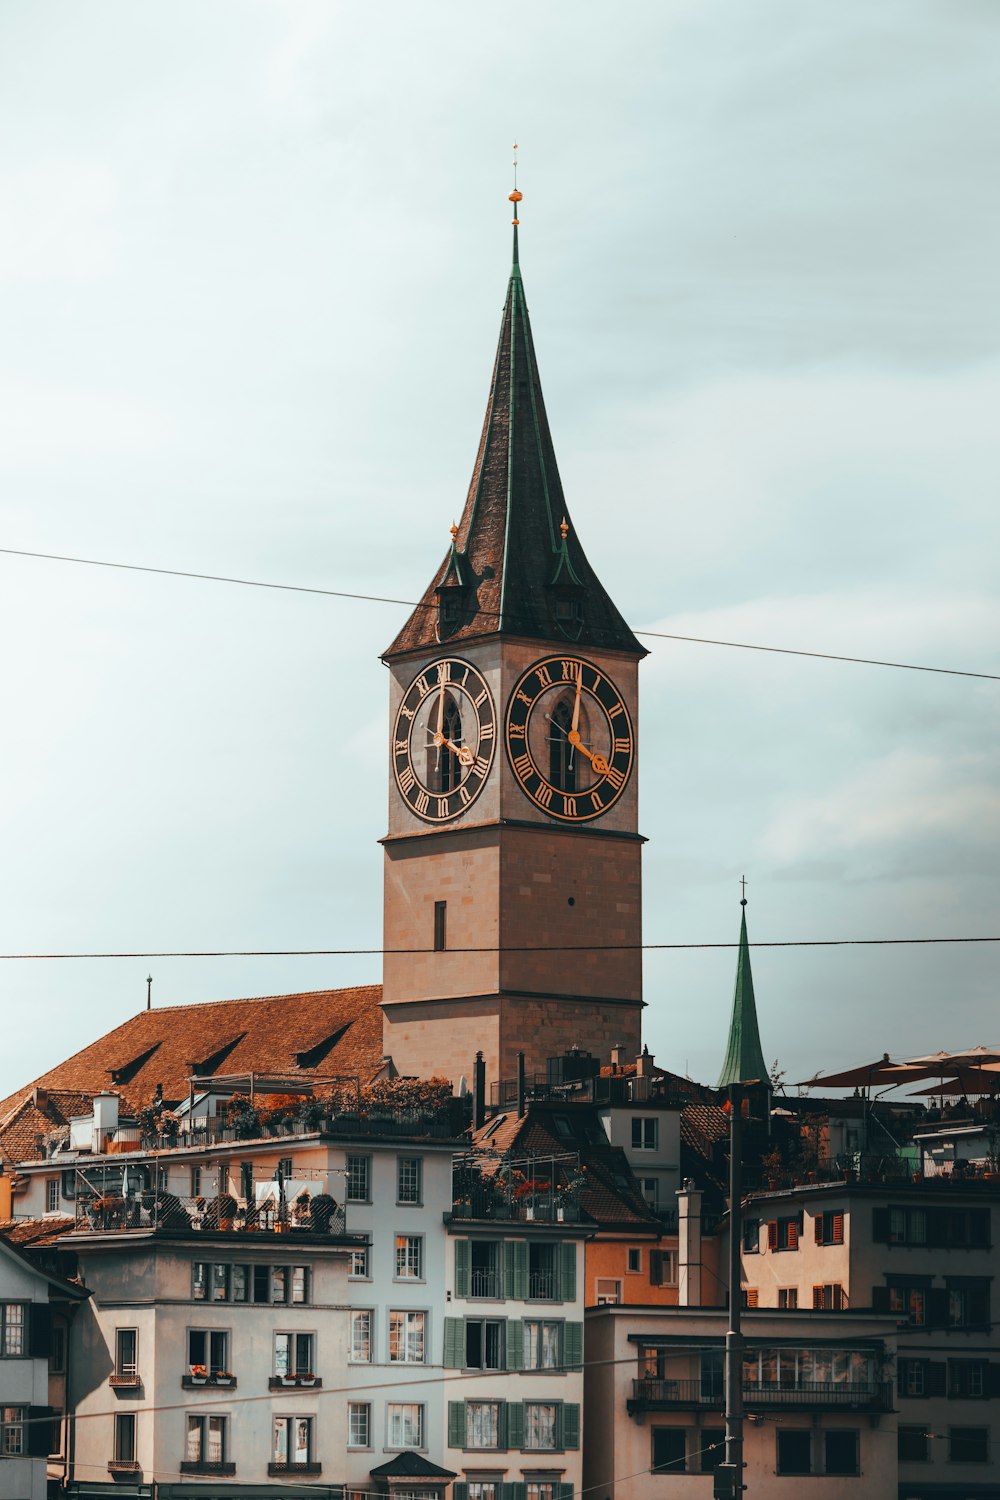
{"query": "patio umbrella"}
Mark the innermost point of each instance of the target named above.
(883, 1073)
(966, 1081)
(977, 1057)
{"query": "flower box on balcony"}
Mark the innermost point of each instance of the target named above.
(187, 1381)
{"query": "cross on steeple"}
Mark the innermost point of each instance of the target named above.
(743, 890)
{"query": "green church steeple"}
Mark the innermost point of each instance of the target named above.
(744, 1056)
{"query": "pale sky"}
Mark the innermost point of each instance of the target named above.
(252, 262)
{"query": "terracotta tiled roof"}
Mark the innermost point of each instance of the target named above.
(28, 1232)
(317, 1034)
(704, 1147)
(33, 1114)
(611, 1195)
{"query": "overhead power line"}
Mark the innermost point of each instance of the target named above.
(539, 948)
(661, 635)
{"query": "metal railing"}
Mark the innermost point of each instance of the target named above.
(484, 1283)
(856, 1396)
(164, 1212)
(485, 1201)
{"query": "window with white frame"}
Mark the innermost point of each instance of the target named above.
(126, 1354)
(361, 1335)
(634, 1259)
(609, 1292)
(409, 1257)
(124, 1448)
(208, 1351)
(409, 1179)
(207, 1439)
(542, 1486)
(360, 1263)
(540, 1424)
(541, 1344)
(484, 1343)
(359, 1424)
(292, 1441)
(195, 1184)
(406, 1337)
(52, 1195)
(404, 1424)
(645, 1133)
(482, 1424)
(484, 1487)
(12, 1441)
(293, 1355)
(13, 1323)
(359, 1177)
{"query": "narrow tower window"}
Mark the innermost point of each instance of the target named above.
(440, 926)
(562, 756)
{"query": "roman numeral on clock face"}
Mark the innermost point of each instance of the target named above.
(446, 710)
(523, 765)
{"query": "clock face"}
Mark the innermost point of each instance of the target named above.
(569, 738)
(443, 740)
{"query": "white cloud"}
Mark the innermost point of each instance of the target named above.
(58, 221)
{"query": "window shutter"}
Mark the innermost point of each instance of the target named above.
(567, 1271)
(514, 1492)
(880, 1299)
(564, 1492)
(656, 1267)
(40, 1331)
(818, 1297)
(38, 1436)
(515, 1424)
(838, 1229)
(463, 1257)
(516, 1269)
(456, 1424)
(937, 1307)
(753, 1296)
(818, 1229)
(570, 1424)
(993, 1379)
(454, 1343)
(772, 1234)
(793, 1235)
(880, 1226)
(460, 1490)
(937, 1377)
(573, 1346)
(515, 1344)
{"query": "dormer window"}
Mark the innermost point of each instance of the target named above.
(567, 609)
(451, 598)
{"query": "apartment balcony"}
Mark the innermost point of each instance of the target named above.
(278, 1469)
(484, 1201)
(146, 1211)
(688, 1395)
(198, 1466)
(125, 1379)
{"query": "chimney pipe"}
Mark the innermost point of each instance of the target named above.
(478, 1092)
(520, 1085)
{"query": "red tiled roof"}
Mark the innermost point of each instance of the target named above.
(333, 1031)
(28, 1232)
(31, 1117)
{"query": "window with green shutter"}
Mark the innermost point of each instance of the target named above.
(570, 1424)
(515, 1257)
(456, 1424)
(515, 1424)
(567, 1271)
(454, 1343)
(513, 1492)
(515, 1344)
(462, 1257)
(572, 1357)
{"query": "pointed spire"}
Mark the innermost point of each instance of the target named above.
(513, 569)
(744, 1056)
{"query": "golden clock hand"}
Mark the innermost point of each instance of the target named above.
(465, 755)
(576, 709)
(598, 762)
(439, 734)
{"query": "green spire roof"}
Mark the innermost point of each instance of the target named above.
(744, 1057)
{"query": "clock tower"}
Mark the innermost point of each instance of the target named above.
(512, 859)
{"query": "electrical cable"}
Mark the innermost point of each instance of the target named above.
(298, 588)
(540, 948)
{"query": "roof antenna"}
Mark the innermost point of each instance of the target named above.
(149, 992)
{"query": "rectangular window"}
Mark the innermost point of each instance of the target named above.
(241, 1283)
(968, 1301)
(829, 1297)
(361, 1335)
(440, 926)
(912, 1377)
(300, 1284)
(359, 1263)
(406, 1337)
(541, 1345)
(969, 1445)
(359, 1424)
(751, 1236)
(913, 1445)
(783, 1234)
(195, 1182)
(246, 1182)
(292, 1441)
(635, 1260)
(57, 1349)
(644, 1134)
(967, 1378)
(124, 1437)
(669, 1450)
(52, 1195)
(482, 1424)
(208, 1351)
(650, 1188)
(540, 1424)
(220, 1281)
(543, 1279)
(12, 1419)
(13, 1322)
(206, 1439)
(286, 1168)
(609, 1292)
(261, 1284)
(484, 1343)
(788, 1297)
(489, 1489)
(829, 1228)
(840, 1451)
(359, 1178)
(199, 1280)
(126, 1354)
(279, 1283)
(409, 1257)
(404, 1424)
(909, 1302)
(794, 1450)
(409, 1179)
(484, 1268)
(293, 1354)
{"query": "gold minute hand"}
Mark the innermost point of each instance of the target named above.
(576, 710)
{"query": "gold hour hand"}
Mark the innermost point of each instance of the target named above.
(598, 762)
(463, 753)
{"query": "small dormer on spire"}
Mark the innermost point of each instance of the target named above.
(515, 566)
(744, 1056)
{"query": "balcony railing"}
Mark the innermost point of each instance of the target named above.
(666, 1395)
(485, 1201)
(166, 1213)
(543, 1284)
(484, 1283)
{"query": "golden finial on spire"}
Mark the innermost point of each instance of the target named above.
(454, 533)
(515, 197)
(564, 528)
